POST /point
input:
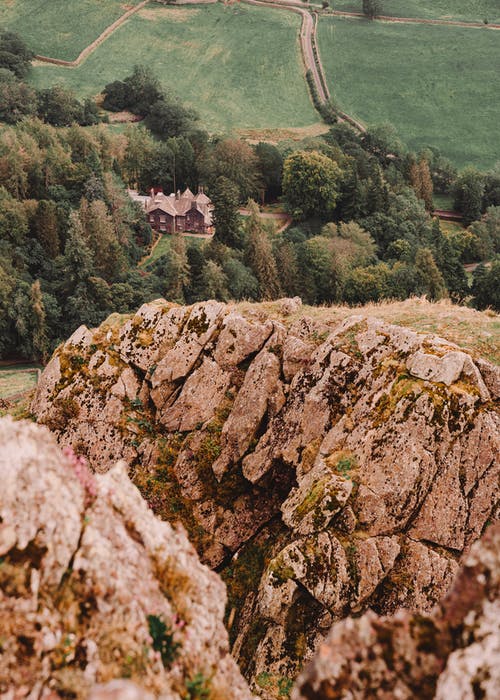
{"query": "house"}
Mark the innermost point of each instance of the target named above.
(177, 212)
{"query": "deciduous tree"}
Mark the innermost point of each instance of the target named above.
(311, 183)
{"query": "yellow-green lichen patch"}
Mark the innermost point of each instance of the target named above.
(403, 387)
(347, 341)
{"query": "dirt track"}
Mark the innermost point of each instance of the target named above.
(418, 20)
(308, 42)
(92, 47)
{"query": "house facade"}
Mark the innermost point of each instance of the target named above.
(177, 212)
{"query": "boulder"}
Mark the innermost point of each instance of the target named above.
(93, 587)
(451, 653)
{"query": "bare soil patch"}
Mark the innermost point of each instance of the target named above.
(276, 135)
(174, 14)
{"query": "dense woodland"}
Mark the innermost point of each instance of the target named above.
(71, 239)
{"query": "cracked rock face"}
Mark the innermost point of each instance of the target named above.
(452, 653)
(84, 563)
(322, 467)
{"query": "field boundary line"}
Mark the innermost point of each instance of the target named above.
(415, 20)
(92, 47)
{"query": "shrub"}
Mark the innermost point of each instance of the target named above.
(163, 640)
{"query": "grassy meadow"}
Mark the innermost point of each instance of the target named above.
(239, 66)
(439, 86)
(61, 28)
(460, 10)
(17, 379)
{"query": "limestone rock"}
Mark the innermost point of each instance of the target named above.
(239, 338)
(260, 383)
(321, 495)
(148, 336)
(85, 563)
(452, 653)
(322, 467)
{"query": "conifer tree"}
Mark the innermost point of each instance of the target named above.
(431, 281)
(425, 182)
(78, 261)
(40, 340)
(47, 227)
(226, 222)
(260, 257)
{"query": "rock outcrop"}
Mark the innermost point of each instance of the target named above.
(451, 654)
(94, 588)
(322, 468)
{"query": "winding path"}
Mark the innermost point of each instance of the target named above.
(307, 30)
(92, 47)
(308, 42)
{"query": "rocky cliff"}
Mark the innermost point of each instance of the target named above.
(320, 467)
(94, 588)
(451, 654)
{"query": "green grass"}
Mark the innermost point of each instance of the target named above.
(439, 86)
(60, 28)
(16, 380)
(163, 247)
(443, 201)
(238, 66)
(450, 227)
(462, 10)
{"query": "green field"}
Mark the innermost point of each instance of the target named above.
(439, 86)
(60, 28)
(238, 66)
(17, 379)
(462, 10)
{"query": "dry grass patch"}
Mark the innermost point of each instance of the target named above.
(288, 134)
(176, 14)
(475, 331)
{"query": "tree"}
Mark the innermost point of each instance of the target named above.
(383, 142)
(468, 194)
(241, 282)
(364, 284)
(486, 286)
(78, 263)
(487, 233)
(259, 256)
(421, 181)
(323, 270)
(99, 233)
(40, 340)
(288, 269)
(58, 106)
(17, 100)
(431, 281)
(226, 221)
(46, 226)
(214, 281)
(372, 8)
(14, 54)
(350, 244)
(271, 168)
(236, 160)
(311, 183)
(167, 118)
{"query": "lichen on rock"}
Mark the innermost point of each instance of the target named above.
(85, 566)
(370, 449)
